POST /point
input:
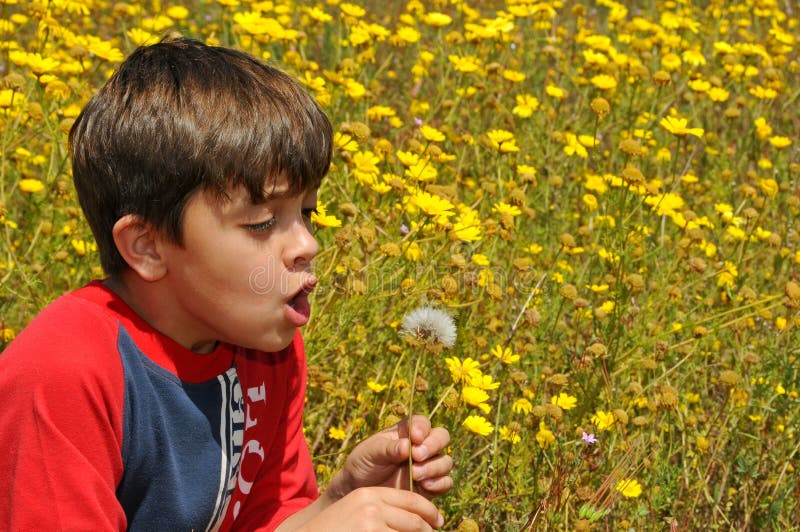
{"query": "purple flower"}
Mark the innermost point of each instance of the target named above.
(589, 438)
(404, 229)
(418, 121)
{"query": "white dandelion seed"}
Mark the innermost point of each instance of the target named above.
(430, 325)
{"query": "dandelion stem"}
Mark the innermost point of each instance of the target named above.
(410, 415)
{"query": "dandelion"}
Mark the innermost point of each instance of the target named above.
(430, 325)
(478, 425)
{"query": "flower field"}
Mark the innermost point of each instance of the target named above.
(604, 199)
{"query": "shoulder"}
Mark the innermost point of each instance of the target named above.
(73, 334)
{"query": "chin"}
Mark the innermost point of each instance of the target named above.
(275, 344)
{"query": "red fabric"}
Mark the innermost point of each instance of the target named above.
(61, 410)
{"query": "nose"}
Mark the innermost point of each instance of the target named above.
(301, 246)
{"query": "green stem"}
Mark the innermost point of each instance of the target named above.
(410, 414)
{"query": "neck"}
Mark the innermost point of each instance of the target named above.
(151, 302)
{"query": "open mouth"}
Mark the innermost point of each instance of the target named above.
(300, 308)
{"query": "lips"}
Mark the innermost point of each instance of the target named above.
(298, 309)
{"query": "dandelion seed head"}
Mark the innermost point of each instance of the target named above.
(430, 325)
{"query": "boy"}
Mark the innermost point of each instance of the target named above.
(170, 395)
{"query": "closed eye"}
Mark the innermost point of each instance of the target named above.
(262, 226)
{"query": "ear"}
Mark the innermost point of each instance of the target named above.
(140, 246)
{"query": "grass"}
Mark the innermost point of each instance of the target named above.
(613, 271)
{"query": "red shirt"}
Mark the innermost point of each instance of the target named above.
(106, 424)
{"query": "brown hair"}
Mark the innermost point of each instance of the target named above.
(180, 116)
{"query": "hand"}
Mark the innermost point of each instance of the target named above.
(378, 508)
(382, 460)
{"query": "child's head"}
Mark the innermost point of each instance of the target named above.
(180, 117)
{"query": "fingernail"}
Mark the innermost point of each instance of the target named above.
(440, 521)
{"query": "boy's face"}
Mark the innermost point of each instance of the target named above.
(243, 273)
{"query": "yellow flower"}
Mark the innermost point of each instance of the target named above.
(604, 82)
(375, 387)
(431, 204)
(479, 425)
(476, 397)
(574, 146)
(677, 126)
(365, 167)
(629, 488)
(336, 433)
(484, 382)
(412, 252)
(671, 62)
(376, 112)
(526, 105)
(30, 185)
(480, 259)
(407, 34)
(513, 75)
(437, 20)
(768, 186)
(522, 406)
(463, 371)
(505, 208)
(139, 36)
(555, 92)
(177, 12)
(699, 85)
(431, 134)
(763, 129)
(321, 218)
(355, 90)
(545, 436)
(6, 334)
(467, 226)
(780, 142)
(352, 10)
(466, 64)
(603, 420)
(564, 401)
(345, 142)
(718, 94)
(502, 140)
(505, 355)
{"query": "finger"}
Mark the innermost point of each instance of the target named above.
(411, 504)
(420, 428)
(431, 487)
(435, 441)
(438, 466)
